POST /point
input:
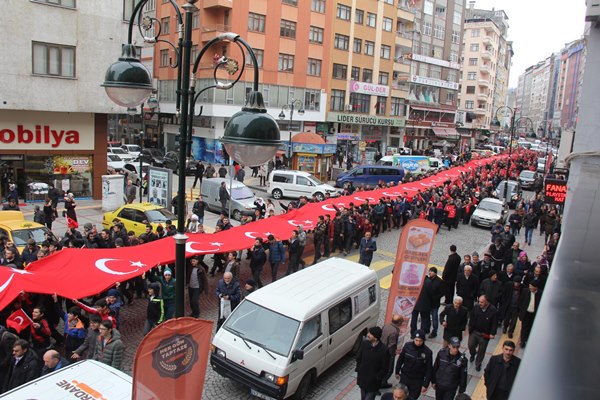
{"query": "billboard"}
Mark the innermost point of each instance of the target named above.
(555, 191)
(159, 186)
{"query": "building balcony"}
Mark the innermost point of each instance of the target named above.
(482, 96)
(484, 68)
(484, 82)
(479, 111)
(488, 40)
(486, 55)
(218, 4)
(404, 39)
(406, 13)
(210, 32)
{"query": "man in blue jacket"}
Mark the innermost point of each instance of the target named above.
(366, 249)
(276, 255)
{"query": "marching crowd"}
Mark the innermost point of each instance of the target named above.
(90, 328)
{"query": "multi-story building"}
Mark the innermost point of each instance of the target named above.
(54, 113)
(572, 60)
(434, 73)
(541, 93)
(487, 57)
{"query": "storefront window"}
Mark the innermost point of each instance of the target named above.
(72, 173)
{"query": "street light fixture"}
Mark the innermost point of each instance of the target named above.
(291, 106)
(251, 135)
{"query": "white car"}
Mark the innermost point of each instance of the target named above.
(121, 153)
(115, 162)
(294, 184)
(133, 173)
(488, 212)
(133, 150)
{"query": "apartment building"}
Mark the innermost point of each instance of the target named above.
(487, 57)
(572, 60)
(54, 113)
(434, 73)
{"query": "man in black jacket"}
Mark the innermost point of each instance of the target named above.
(529, 303)
(258, 258)
(7, 340)
(198, 209)
(437, 285)
(449, 371)
(454, 320)
(467, 287)
(501, 371)
(416, 365)
(294, 253)
(483, 324)
(371, 364)
(24, 365)
(450, 273)
(198, 174)
(223, 197)
(423, 307)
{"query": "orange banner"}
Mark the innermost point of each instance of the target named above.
(171, 361)
(411, 266)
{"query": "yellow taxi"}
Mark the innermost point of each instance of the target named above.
(18, 230)
(135, 216)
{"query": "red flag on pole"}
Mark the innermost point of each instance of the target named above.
(19, 320)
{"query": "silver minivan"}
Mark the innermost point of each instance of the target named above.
(241, 196)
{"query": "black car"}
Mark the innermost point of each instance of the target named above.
(171, 161)
(190, 168)
(153, 157)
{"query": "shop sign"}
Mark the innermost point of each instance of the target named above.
(71, 165)
(423, 80)
(369, 88)
(555, 191)
(434, 61)
(27, 130)
(365, 119)
(311, 148)
(347, 136)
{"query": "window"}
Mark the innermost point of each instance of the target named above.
(318, 6)
(287, 29)
(196, 20)
(425, 49)
(472, 62)
(455, 36)
(474, 47)
(369, 48)
(469, 104)
(343, 12)
(438, 52)
(360, 102)
(470, 89)
(256, 22)
(387, 24)
(355, 73)
(454, 56)
(475, 32)
(312, 99)
(283, 178)
(164, 24)
(315, 35)
(389, 2)
(367, 75)
(339, 315)
(341, 41)
(440, 11)
(428, 7)
(359, 17)
(337, 100)
(301, 180)
(385, 52)
(340, 71)
(53, 59)
(290, 2)
(314, 67)
(357, 45)
(438, 31)
(151, 5)
(471, 76)
(371, 19)
(397, 107)
(164, 58)
(128, 6)
(310, 331)
(193, 54)
(71, 3)
(380, 106)
(259, 58)
(384, 78)
(286, 62)
(450, 97)
(457, 17)
(427, 28)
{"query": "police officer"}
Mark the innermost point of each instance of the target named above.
(449, 371)
(414, 366)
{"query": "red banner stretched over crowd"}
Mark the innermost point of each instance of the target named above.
(77, 273)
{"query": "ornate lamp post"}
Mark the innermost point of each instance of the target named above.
(251, 135)
(291, 106)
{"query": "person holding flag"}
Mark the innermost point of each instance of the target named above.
(74, 328)
(18, 321)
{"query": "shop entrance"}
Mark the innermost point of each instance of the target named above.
(12, 171)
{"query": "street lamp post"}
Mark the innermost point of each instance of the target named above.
(291, 106)
(251, 135)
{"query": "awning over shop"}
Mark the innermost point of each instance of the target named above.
(441, 110)
(446, 133)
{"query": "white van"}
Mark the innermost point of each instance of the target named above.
(284, 335)
(87, 379)
(241, 196)
(287, 183)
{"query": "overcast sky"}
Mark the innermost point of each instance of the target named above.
(538, 28)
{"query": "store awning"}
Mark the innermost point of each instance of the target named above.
(446, 133)
(441, 110)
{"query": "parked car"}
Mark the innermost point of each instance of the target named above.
(514, 190)
(488, 212)
(134, 174)
(241, 196)
(133, 149)
(527, 179)
(541, 164)
(115, 162)
(18, 230)
(121, 153)
(294, 184)
(135, 216)
(171, 161)
(371, 175)
(190, 167)
(152, 156)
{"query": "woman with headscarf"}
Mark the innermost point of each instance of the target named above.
(70, 210)
(261, 206)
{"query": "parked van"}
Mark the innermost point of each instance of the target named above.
(287, 183)
(87, 379)
(370, 175)
(413, 164)
(242, 197)
(285, 335)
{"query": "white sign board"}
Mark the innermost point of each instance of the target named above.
(159, 186)
(423, 80)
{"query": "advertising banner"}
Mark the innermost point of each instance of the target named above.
(113, 192)
(413, 164)
(171, 361)
(555, 191)
(159, 186)
(208, 150)
(65, 165)
(412, 263)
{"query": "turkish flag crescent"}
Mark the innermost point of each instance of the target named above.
(19, 320)
(171, 361)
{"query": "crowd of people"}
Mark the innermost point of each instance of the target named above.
(83, 329)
